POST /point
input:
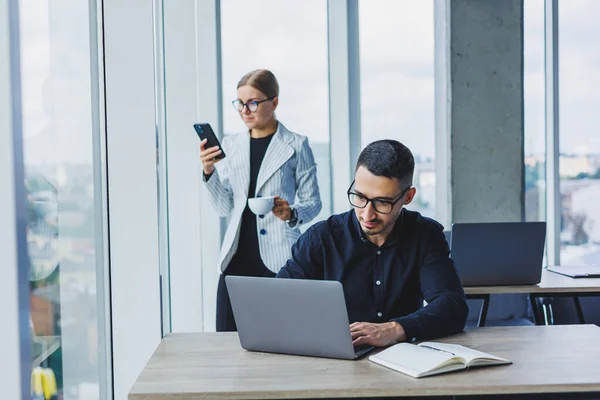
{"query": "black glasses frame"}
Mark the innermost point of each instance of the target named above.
(393, 203)
(247, 104)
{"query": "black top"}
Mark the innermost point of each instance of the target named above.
(258, 148)
(247, 260)
(388, 282)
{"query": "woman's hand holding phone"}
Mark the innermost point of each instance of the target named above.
(208, 157)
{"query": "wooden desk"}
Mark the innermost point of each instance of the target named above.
(547, 359)
(551, 285)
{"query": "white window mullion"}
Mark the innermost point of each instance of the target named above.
(552, 133)
(15, 338)
(344, 97)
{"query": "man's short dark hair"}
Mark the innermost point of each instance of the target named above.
(388, 158)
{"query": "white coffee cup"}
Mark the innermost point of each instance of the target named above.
(261, 205)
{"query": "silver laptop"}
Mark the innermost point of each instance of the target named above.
(292, 316)
(576, 271)
(498, 253)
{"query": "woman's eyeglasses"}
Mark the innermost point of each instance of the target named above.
(252, 105)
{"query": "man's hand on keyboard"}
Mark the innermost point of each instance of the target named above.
(376, 334)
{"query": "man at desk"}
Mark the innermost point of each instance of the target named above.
(387, 258)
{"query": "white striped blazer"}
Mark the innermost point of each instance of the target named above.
(288, 170)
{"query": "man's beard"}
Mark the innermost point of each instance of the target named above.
(380, 228)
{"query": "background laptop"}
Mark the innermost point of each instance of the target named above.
(576, 271)
(498, 253)
(292, 316)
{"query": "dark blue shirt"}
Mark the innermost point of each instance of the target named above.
(387, 283)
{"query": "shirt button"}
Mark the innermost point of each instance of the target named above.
(378, 251)
(379, 314)
(263, 232)
(378, 283)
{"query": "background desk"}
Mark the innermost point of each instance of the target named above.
(547, 359)
(551, 285)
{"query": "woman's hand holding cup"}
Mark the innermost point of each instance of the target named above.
(282, 209)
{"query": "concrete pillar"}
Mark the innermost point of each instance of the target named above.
(479, 109)
(479, 119)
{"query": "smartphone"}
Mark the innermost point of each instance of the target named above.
(205, 131)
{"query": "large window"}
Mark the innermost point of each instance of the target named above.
(579, 137)
(290, 39)
(535, 136)
(64, 276)
(397, 84)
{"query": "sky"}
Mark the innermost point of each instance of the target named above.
(56, 82)
(397, 67)
(290, 38)
(579, 76)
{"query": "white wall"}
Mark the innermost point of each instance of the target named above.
(184, 172)
(132, 187)
(14, 336)
(192, 75)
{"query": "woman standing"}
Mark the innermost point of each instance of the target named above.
(266, 160)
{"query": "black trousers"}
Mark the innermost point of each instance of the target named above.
(225, 318)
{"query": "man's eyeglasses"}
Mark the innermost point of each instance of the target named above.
(252, 105)
(381, 206)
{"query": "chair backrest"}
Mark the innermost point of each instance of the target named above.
(448, 235)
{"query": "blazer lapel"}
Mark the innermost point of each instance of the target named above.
(244, 163)
(278, 152)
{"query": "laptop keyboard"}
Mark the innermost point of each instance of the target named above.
(360, 351)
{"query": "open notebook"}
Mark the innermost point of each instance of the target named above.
(432, 358)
